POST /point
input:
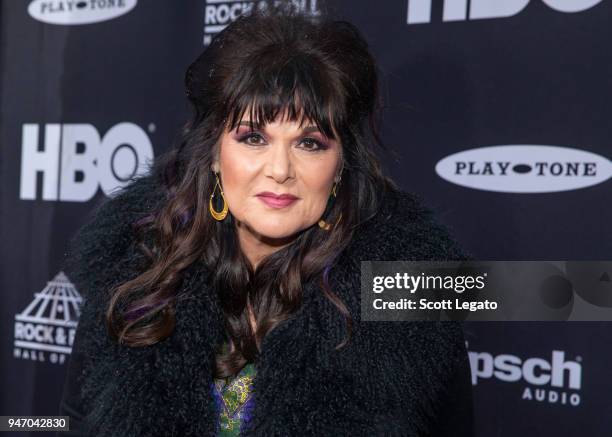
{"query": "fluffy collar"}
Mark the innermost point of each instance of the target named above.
(390, 380)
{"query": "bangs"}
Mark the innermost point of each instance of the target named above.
(293, 87)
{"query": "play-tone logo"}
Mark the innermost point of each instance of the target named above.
(45, 330)
(74, 160)
(525, 168)
(219, 13)
(419, 11)
(70, 12)
(554, 381)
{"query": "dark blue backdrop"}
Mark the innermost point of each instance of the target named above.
(89, 95)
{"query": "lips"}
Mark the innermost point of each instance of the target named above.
(277, 196)
(276, 200)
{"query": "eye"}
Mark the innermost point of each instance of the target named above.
(251, 135)
(310, 144)
(313, 145)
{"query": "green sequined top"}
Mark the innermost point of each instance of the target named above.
(234, 400)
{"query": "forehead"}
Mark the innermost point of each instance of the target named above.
(306, 126)
(283, 116)
(292, 117)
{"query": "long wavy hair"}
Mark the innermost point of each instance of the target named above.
(271, 61)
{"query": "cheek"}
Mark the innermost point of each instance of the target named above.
(318, 185)
(316, 204)
(232, 166)
(236, 177)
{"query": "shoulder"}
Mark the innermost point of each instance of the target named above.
(139, 196)
(404, 228)
(107, 233)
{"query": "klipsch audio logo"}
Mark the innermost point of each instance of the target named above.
(525, 168)
(74, 160)
(44, 331)
(219, 13)
(69, 12)
(555, 381)
(419, 11)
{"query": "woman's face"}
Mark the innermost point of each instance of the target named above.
(280, 159)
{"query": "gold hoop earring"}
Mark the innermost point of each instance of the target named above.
(322, 223)
(217, 215)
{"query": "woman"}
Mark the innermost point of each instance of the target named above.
(222, 289)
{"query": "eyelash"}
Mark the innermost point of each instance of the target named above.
(320, 146)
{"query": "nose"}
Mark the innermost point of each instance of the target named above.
(279, 165)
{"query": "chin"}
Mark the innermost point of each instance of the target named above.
(275, 231)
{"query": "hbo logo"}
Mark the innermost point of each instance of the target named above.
(75, 161)
(419, 11)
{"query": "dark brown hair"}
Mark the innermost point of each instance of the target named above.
(269, 61)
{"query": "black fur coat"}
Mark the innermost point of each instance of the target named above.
(394, 378)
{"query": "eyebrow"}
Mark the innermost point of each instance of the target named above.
(306, 130)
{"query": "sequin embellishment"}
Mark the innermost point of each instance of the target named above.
(234, 399)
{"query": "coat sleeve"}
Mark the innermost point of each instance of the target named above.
(455, 415)
(457, 412)
(429, 239)
(422, 379)
(93, 265)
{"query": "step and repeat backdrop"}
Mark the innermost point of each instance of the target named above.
(497, 112)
